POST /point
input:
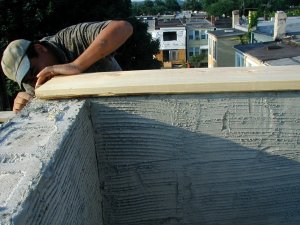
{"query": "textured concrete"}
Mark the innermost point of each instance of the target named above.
(199, 159)
(48, 170)
(158, 159)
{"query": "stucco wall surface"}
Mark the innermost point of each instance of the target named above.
(199, 159)
(160, 159)
(48, 170)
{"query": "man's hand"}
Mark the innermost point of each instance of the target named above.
(20, 101)
(63, 69)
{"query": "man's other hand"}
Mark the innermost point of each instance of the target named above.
(20, 101)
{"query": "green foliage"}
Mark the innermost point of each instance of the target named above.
(263, 7)
(246, 38)
(34, 19)
(294, 12)
(149, 7)
(253, 20)
(192, 5)
(220, 7)
(196, 60)
(138, 52)
(172, 5)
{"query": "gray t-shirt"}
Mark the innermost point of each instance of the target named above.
(70, 42)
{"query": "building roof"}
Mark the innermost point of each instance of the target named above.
(274, 53)
(267, 27)
(200, 24)
(222, 22)
(226, 32)
(169, 23)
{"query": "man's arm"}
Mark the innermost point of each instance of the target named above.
(108, 40)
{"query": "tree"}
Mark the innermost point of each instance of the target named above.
(196, 60)
(159, 7)
(172, 5)
(220, 7)
(137, 9)
(137, 53)
(34, 19)
(21, 19)
(148, 5)
(192, 5)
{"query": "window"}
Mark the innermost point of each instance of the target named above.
(214, 44)
(204, 51)
(194, 51)
(170, 55)
(173, 55)
(191, 35)
(191, 51)
(169, 36)
(203, 34)
(197, 35)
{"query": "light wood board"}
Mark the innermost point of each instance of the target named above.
(6, 115)
(173, 81)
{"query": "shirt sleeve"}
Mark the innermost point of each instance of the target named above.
(77, 38)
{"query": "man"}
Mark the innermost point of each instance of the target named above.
(84, 47)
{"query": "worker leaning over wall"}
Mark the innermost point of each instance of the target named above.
(85, 47)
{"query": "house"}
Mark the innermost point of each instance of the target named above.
(220, 47)
(278, 27)
(182, 36)
(268, 54)
(197, 39)
(172, 37)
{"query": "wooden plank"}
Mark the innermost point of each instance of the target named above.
(6, 115)
(172, 81)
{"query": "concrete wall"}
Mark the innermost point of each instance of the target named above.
(48, 169)
(162, 159)
(225, 51)
(199, 159)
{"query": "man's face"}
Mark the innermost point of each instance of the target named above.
(43, 59)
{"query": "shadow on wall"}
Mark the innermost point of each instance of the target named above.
(152, 172)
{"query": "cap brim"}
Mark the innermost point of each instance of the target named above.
(23, 69)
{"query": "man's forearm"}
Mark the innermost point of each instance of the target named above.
(109, 39)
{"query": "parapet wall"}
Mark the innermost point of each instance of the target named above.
(199, 159)
(163, 159)
(226, 158)
(48, 169)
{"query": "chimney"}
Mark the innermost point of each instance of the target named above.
(235, 17)
(213, 20)
(279, 25)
